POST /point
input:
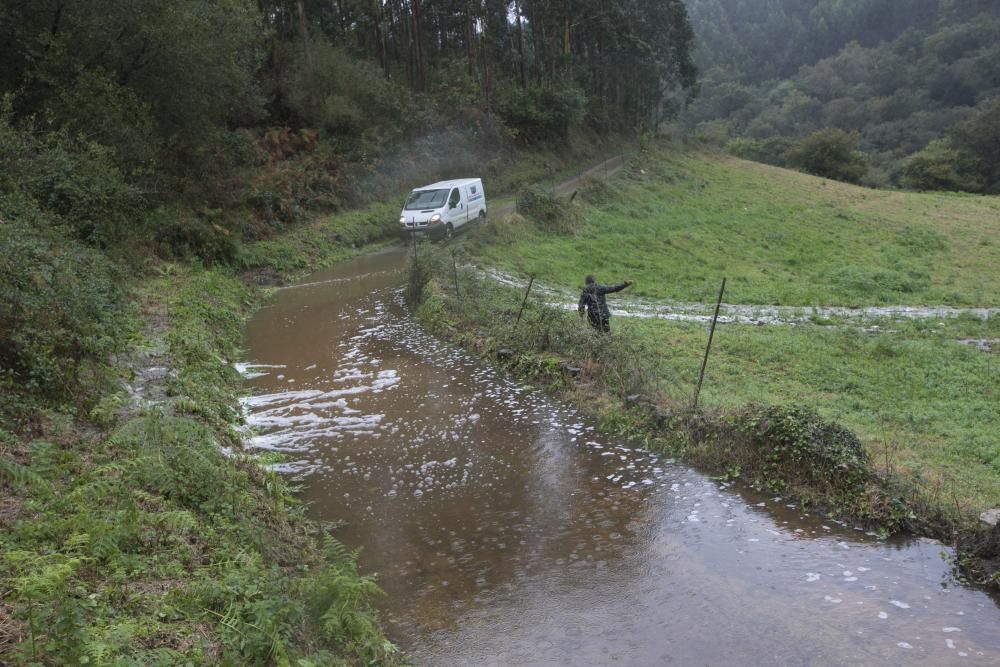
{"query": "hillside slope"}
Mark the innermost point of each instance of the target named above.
(679, 223)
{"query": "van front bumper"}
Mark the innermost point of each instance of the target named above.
(422, 230)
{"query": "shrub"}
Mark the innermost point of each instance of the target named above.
(782, 448)
(541, 112)
(831, 153)
(60, 310)
(548, 211)
(332, 90)
(597, 191)
(933, 168)
(75, 180)
(186, 235)
(768, 151)
(979, 139)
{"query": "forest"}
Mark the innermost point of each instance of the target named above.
(905, 93)
(180, 129)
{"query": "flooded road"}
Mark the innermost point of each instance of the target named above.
(506, 531)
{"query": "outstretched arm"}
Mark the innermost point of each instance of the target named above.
(614, 288)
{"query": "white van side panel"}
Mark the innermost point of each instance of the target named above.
(476, 197)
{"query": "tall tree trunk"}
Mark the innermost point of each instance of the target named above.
(375, 10)
(536, 47)
(520, 43)
(565, 49)
(484, 53)
(300, 7)
(470, 46)
(418, 42)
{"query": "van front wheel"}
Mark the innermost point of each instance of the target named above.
(449, 231)
(482, 216)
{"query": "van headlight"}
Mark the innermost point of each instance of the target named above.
(402, 220)
(436, 218)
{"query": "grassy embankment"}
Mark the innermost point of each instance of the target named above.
(130, 537)
(127, 534)
(923, 405)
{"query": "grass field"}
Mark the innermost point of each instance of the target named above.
(928, 403)
(676, 224)
(921, 401)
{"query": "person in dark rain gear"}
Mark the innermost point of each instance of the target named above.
(593, 302)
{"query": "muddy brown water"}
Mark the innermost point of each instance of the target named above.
(506, 531)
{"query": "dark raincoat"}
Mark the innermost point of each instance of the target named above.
(592, 300)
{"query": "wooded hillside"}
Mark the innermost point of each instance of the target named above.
(176, 129)
(905, 90)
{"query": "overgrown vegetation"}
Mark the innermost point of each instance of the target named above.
(158, 542)
(550, 213)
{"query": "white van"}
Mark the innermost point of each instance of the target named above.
(443, 207)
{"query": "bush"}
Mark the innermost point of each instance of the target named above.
(979, 139)
(831, 153)
(768, 151)
(332, 90)
(304, 176)
(60, 310)
(597, 191)
(75, 180)
(548, 211)
(541, 113)
(933, 168)
(186, 235)
(782, 448)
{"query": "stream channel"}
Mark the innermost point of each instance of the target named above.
(506, 531)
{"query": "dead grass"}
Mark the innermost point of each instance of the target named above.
(12, 631)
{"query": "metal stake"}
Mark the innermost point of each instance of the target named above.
(526, 293)
(454, 270)
(708, 347)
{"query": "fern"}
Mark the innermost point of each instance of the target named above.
(43, 458)
(334, 551)
(23, 476)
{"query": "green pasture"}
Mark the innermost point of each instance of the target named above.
(920, 400)
(675, 224)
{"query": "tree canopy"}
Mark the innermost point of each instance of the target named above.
(900, 73)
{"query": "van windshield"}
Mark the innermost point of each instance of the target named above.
(419, 199)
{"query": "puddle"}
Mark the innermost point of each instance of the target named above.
(505, 530)
(626, 306)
